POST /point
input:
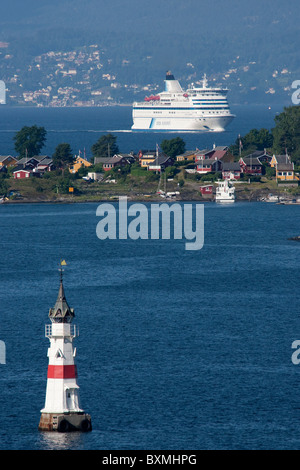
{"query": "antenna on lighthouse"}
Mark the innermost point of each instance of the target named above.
(62, 263)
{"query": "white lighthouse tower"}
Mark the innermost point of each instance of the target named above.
(62, 410)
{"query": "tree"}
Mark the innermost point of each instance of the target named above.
(29, 141)
(173, 147)
(63, 156)
(287, 133)
(253, 140)
(105, 147)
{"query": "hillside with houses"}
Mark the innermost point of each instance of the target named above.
(259, 163)
(148, 175)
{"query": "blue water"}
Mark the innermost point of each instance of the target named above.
(177, 349)
(82, 127)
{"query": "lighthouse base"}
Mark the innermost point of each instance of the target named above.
(65, 422)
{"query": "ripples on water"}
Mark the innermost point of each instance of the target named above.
(177, 350)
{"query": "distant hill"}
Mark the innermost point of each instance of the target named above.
(251, 47)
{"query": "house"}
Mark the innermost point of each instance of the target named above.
(284, 168)
(285, 172)
(7, 161)
(206, 190)
(222, 153)
(208, 165)
(279, 159)
(216, 153)
(128, 156)
(203, 154)
(231, 171)
(189, 155)
(116, 161)
(251, 165)
(28, 163)
(146, 157)
(45, 165)
(262, 156)
(79, 163)
(160, 163)
(100, 160)
(21, 173)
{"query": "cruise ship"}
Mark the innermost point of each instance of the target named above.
(195, 109)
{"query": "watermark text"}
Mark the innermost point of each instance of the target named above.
(2, 92)
(2, 353)
(296, 94)
(157, 221)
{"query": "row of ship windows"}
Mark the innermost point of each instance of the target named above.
(174, 112)
(158, 111)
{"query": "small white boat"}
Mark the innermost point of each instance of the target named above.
(225, 191)
(272, 198)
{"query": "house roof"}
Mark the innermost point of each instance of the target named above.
(282, 159)
(45, 162)
(187, 153)
(26, 160)
(146, 153)
(207, 161)
(204, 151)
(252, 160)
(285, 167)
(21, 168)
(218, 154)
(231, 166)
(114, 159)
(4, 157)
(100, 160)
(160, 160)
(40, 157)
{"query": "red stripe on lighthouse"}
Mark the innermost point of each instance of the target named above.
(62, 372)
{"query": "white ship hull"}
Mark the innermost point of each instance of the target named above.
(205, 124)
(196, 109)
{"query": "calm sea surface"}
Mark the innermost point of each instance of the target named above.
(82, 127)
(178, 349)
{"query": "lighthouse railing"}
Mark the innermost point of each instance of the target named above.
(74, 331)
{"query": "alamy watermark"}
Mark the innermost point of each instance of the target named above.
(139, 221)
(296, 94)
(296, 354)
(2, 92)
(2, 353)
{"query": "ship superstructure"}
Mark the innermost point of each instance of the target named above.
(195, 109)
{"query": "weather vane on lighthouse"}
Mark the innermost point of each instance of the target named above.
(62, 410)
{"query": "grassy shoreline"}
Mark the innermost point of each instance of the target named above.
(134, 188)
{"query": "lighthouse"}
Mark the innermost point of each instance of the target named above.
(62, 411)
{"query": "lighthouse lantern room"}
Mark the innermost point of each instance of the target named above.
(62, 411)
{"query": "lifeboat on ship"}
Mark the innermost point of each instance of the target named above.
(152, 98)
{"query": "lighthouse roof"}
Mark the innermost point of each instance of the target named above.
(61, 312)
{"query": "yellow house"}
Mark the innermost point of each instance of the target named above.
(146, 158)
(7, 161)
(284, 168)
(79, 163)
(187, 156)
(285, 172)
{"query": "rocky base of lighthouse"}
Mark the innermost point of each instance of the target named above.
(65, 422)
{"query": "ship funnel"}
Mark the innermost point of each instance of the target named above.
(172, 85)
